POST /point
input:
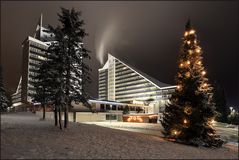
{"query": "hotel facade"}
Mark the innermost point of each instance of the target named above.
(33, 53)
(123, 83)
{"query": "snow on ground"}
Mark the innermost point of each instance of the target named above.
(230, 135)
(24, 135)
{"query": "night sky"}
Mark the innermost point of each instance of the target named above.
(145, 34)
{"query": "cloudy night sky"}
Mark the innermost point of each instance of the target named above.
(146, 35)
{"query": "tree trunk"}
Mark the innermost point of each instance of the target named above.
(60, 117)
(55, 115)
(44, 112)
(66, 116)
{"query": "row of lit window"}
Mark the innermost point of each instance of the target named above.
(134, 83)
(41, 57)
(118, 77)
(132, 87)
(128, 79)
(143, 98)
(38, 45)
(119, 65)
(120, 69)
(146, 93)
(34, 62)
(137, 90)
(36, 50)
(131, 83)
(124, 72)
(102, 88)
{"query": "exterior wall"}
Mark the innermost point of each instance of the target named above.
(37, 51)
(103, 84)
(33, 54)
(25, 58)
(126, 85)
(80, 116)
(111, 78)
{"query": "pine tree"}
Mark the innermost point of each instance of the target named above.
(219, 99)
(189, 116)
(69, 53)
(3, 99)
(44, 83)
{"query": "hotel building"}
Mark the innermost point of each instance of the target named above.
(123, 83)
(33, 52)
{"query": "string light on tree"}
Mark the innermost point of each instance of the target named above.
(198, 50)
(192, 31)
(188, 110)
(185, 121)
(191, 101)
(187, 74)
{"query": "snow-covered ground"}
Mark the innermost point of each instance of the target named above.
(24, 135)
(230, 135)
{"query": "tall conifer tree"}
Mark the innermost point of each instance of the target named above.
(69, 55)
(3, 98)
(189, 117)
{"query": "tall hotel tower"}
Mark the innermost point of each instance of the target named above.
(33, 49)
(121, 82)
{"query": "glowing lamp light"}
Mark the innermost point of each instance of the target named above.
(181, 65)
(199, 62)
(203, 72)
(179, 86)
(188, 42)
(188, 62)
(205, 85)
(192, 31)
(212, 121)
(186, 33)
(175, 132)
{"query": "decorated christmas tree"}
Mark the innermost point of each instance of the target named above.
(189, 116)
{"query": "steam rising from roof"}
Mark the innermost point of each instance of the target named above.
(105, 39)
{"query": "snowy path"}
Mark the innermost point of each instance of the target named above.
(23, 136)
